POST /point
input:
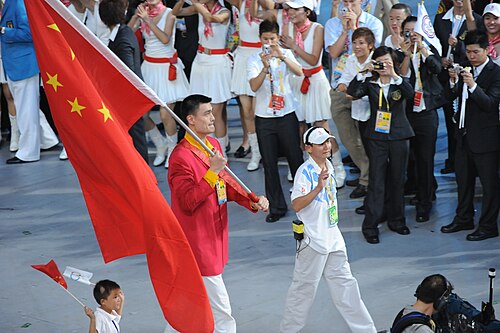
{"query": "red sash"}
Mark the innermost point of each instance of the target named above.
(172, 70)
(304, 87)
(250, 44)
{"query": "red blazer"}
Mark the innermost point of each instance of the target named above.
(195, 205)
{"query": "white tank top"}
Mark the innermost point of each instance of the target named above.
(249, 32)
(154, 47)
(308, 46)
(218, 40)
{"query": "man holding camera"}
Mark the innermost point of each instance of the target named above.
(478, 137)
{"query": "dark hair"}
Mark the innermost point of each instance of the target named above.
(477, 37)
(104, 287)
(191, 104)
(112, 12)
(433, 288)
(382, 51)
(366, 33)
(408, 20)
(269, 26)
(403, 6)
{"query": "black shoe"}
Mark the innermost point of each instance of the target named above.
(15, 160)
(422, 217)
(402, 229)
(352, 182)
(372, 239)
(242, 152)
(355, 170)
(479, 235)
(360, 210)
(446, 170)
(358, 192)
(454, 227)
(270, 218)
(410, 192)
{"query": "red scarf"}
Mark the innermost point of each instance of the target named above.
(158, 9)
(298, 33)
(248, 16)
(208, 30)
(492, 52)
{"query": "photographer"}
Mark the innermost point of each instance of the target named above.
(478, 138)
(387, 133)
(422, 68)
(322, 253)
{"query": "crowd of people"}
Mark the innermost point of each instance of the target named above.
(383, 90)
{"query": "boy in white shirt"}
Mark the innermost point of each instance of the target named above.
(106, 318)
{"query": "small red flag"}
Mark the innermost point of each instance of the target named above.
(95, 99)
(52, 271)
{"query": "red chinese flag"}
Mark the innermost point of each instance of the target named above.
(52, 271)
(94, 99)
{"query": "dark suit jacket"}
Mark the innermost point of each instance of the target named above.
(433, 90)
(482, 125)
(399, 95)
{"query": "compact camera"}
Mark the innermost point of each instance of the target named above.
(344, 10)
(459, 69)
(267, 49)
(407, 35)
(378, 65)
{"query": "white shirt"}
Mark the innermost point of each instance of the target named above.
(280, 75)
(113, 33)
(475, 73)
(360, 108)
(94, 23)
(333, 30)
(107, 322)
(317, 231)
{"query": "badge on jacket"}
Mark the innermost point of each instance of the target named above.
(396, 95)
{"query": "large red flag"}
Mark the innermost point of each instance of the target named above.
(52, 271)
(94, 99)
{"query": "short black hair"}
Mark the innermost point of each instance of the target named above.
(103, 288)
(403, 6)
(432, 288)
(191, 104)
(366, 33)
(408, 20)
(382, 51)
(112, 12)
(477, 37)
(269, 26)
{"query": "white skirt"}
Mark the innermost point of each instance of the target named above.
(315, 105)
(156, 77)
(211, 76)
(239, 83)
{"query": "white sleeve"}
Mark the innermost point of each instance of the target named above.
(301, 184)
(349, 72)
(333, 30)
(253, 67)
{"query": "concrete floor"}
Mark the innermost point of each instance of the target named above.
(43, 216)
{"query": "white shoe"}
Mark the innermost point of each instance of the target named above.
(161, 152)
(289, 175)
(63, 155)
(14, 134)
(340, 174)
(253, 165)
(171, 143)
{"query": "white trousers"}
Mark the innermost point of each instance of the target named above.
(219, 302)
(26, 96)
(48, 138)
(310, 266)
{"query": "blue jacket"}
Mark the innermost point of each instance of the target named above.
(18, 52)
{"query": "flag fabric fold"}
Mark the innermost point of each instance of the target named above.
(425, 28)
(94, 99)
(52, 271)
(78, 275)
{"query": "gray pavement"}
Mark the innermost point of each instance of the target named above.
(43, 216)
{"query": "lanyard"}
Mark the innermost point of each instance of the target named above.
(380, 99)
(115, 326)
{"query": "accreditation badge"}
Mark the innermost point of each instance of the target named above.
(277, 102)
(383, 122)
(417, 100)
(333, 216)
(220, 187)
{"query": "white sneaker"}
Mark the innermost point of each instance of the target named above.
(63, 155)
(289, 175)
(161, 152)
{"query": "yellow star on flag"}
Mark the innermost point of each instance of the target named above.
(72, 54)
(105, 112)
(54, 26)
(53, 81)
(75, 107)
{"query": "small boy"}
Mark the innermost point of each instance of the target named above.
(106, 318)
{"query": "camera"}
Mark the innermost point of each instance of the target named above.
(459, 69)
(407, 35)
(378, 65)
(344, 10)
(267, 49)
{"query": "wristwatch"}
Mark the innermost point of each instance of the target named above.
(2, 30)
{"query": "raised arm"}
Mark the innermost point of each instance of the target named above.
(221, 17)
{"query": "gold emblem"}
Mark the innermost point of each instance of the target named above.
(396, 95)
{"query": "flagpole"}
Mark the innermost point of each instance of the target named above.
(251, 195)
(69, 293)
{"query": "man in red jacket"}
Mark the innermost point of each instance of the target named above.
(200, 190)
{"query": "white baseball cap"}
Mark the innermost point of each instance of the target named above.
(316, 135)
(296, 4)
(492, 8)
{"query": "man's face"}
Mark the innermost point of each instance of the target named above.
(354, 5)
(203, 120)
(269, 38)
(322, 151)
(476, 54)
(396, 18)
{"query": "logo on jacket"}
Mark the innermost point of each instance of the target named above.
(396, 95)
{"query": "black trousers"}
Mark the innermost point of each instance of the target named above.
(388, 162)
(450, 130)
(278, 137)
(423, 148)
(468, 165)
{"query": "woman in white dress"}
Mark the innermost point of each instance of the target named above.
(162, 71)
(211, 71)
